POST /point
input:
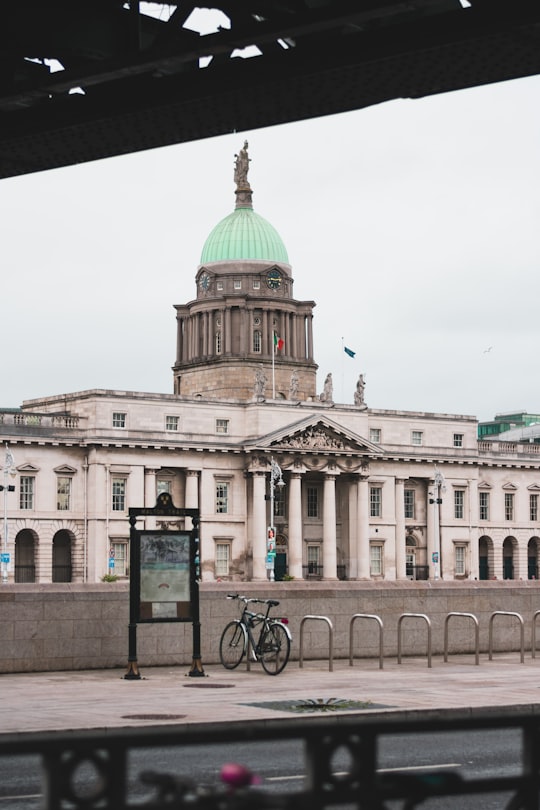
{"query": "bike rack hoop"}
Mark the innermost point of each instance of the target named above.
(519, 617)
(381, 628)
(533, 633)
(476, 634)
(330, 640)
(414, 616)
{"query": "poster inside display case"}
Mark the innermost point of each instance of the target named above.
(165, 576)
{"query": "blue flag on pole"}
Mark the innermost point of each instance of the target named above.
(349, 351)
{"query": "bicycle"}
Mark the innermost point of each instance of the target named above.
(273, 645)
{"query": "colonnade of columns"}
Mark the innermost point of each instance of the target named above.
(196, 331)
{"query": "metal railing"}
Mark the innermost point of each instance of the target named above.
(330, 639)
(476, 634)
(364, 785)
(428, 623)
(380, 625)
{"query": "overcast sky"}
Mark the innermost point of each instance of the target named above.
(412, 224)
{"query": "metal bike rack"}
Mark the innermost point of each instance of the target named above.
(381, 645)
(414, 616)
(533, 633)
(476, 634)
(330, 639)
(521, 626)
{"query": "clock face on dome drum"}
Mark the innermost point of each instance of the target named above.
(273, 279)
(204, 282)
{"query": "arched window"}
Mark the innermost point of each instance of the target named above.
(25, 564)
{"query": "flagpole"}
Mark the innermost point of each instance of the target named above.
(342, 371)
(273, 364)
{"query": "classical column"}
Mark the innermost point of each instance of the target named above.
(179, 339)
(362, 527)
(474, 557)
(329, 527)
(192, 494)
(353, 529)
(400, 529)
(295, 525)
(259, 526)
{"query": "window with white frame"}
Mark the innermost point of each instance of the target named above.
(121, 557)
(375, 501)
(533, 507)
(417, 437)
(459, 504)
(172, 422)
(118, 488)
(279, 502)
(27, 485)
(222, 426)
(163, 485)
(256, 284)
(119, 419)
(375, 435)
(223, 559)
(459, 561)
(238, 284)
(257, 340)
(217, 342)
(63, 493)
(312, 502)
(483, 505)
(314, 560)
(222, 497)
(458, 439)
(409, 504)
(508, 505)
(219, 285)
(376, 559)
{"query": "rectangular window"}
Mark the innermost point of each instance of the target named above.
(63, 493)
(120, 551)
(459, 504)
(238, 284)
(460, 561)
(508, 505)
(375, 500)
(222, 426)
(417, 437)
(163, 485)
(223, 552)
(458, 439)
(256, 284)
(312, 502)
(314, 560)
(279, 502)
(219, 285)
(409, 504)
(375, 560)
(218, 342)
(375, 435)
(118, 494)
(119, 420)
(26, 492)
(257, 341)
(222, 497)
(171, 422)
(484, 505)
(533, 508)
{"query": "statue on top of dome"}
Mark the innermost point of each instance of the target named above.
(241, 167)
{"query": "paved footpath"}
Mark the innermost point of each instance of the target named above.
(97, 699)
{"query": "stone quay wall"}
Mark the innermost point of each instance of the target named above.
(74, 626)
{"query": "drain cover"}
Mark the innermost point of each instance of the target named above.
(319, 705)
(153, 716)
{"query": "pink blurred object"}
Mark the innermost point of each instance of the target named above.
(237, 776)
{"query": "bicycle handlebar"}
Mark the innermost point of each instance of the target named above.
(246, 599)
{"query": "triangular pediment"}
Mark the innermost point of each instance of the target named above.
(318, 434)
(65, 469)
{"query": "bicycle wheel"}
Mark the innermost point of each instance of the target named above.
(232, 645)
(275, 648)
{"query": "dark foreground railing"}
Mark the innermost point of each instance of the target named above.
(364, 785)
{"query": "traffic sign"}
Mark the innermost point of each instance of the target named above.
(5, 558)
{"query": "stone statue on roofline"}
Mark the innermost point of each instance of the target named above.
(328, 390)
(241, 167)
(359, 393)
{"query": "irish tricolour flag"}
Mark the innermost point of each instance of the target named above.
(279, 343)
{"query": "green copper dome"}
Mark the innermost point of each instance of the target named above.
(244, 235)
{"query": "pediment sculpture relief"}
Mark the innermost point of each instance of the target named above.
(315, 438)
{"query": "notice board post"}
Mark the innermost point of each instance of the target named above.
(164, 578)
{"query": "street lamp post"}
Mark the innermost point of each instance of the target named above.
(276, 480)
(9, 469)
(436, 500)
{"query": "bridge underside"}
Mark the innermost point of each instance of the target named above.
(126, 81)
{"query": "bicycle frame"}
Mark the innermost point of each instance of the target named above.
(251, 620)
